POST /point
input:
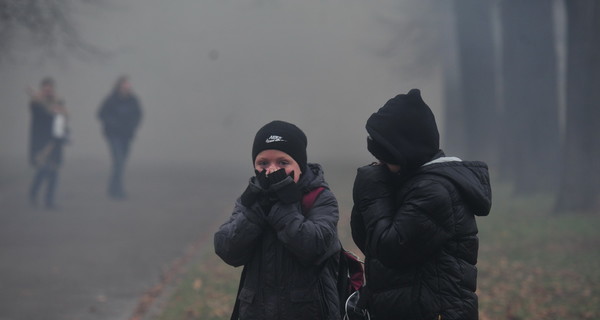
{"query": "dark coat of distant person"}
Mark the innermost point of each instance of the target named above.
(40, 136)
(120, 115)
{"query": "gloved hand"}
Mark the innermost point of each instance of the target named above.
(252, 193)
(257, 189)
(284, 187)
(261, 178)
(278, 176)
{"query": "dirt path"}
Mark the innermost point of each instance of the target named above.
(94, 258)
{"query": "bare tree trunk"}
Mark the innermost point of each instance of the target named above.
(454, 141)
(530, 96)
(580, 181)
(471, 94)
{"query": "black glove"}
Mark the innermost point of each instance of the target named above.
(251, 194)
(266, 202)
(284, 187)
(255, 194)
(256, 188)
(278, 176)
(261, 178)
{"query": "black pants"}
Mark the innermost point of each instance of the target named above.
(44, 174)
(119, 150)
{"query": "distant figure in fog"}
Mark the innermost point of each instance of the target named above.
(47, 137)
(120, 114)
(414, 218)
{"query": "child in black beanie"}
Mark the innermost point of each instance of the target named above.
(414, 218)
(288, 250)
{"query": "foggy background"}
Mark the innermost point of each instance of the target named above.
(513, 83)
(210, 73)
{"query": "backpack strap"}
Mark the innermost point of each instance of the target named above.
(356, 270)
(309, 199)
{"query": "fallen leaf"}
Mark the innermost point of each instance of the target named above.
(197, 284)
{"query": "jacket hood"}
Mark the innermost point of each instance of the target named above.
(471, 178)
(314, 177)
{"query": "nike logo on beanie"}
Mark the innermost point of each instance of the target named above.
(274, 138)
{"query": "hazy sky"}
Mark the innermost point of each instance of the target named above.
(210, 73)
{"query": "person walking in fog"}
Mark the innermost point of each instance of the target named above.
(414, 218)
(47, 137)
(120, 114)
(289, 248)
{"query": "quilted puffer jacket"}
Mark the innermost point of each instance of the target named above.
(419, 236)
(289, 255)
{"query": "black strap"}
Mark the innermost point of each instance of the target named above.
(235, 315)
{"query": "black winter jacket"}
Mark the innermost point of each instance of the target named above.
(120, 115)
(40, 136)
(419, 237)
(289, 256)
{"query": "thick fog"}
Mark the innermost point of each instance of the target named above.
(210, 73)
(511, 83)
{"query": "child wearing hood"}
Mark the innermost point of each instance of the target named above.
(414, 218)
(289, 253)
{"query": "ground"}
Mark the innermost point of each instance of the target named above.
(94, 258)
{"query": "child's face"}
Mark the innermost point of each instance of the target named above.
(273, 160)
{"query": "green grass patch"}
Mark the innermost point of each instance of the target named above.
(534, 264)
(206, 291)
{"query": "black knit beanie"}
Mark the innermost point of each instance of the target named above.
(403, 132)
(282, 136)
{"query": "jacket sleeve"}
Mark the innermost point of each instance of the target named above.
(420, 226)
(372, 183)
(236, 239)
(311, 237)
(358, 229)
(104, 111)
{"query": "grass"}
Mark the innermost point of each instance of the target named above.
(536, 265)
(532, 265)
(206, 291)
